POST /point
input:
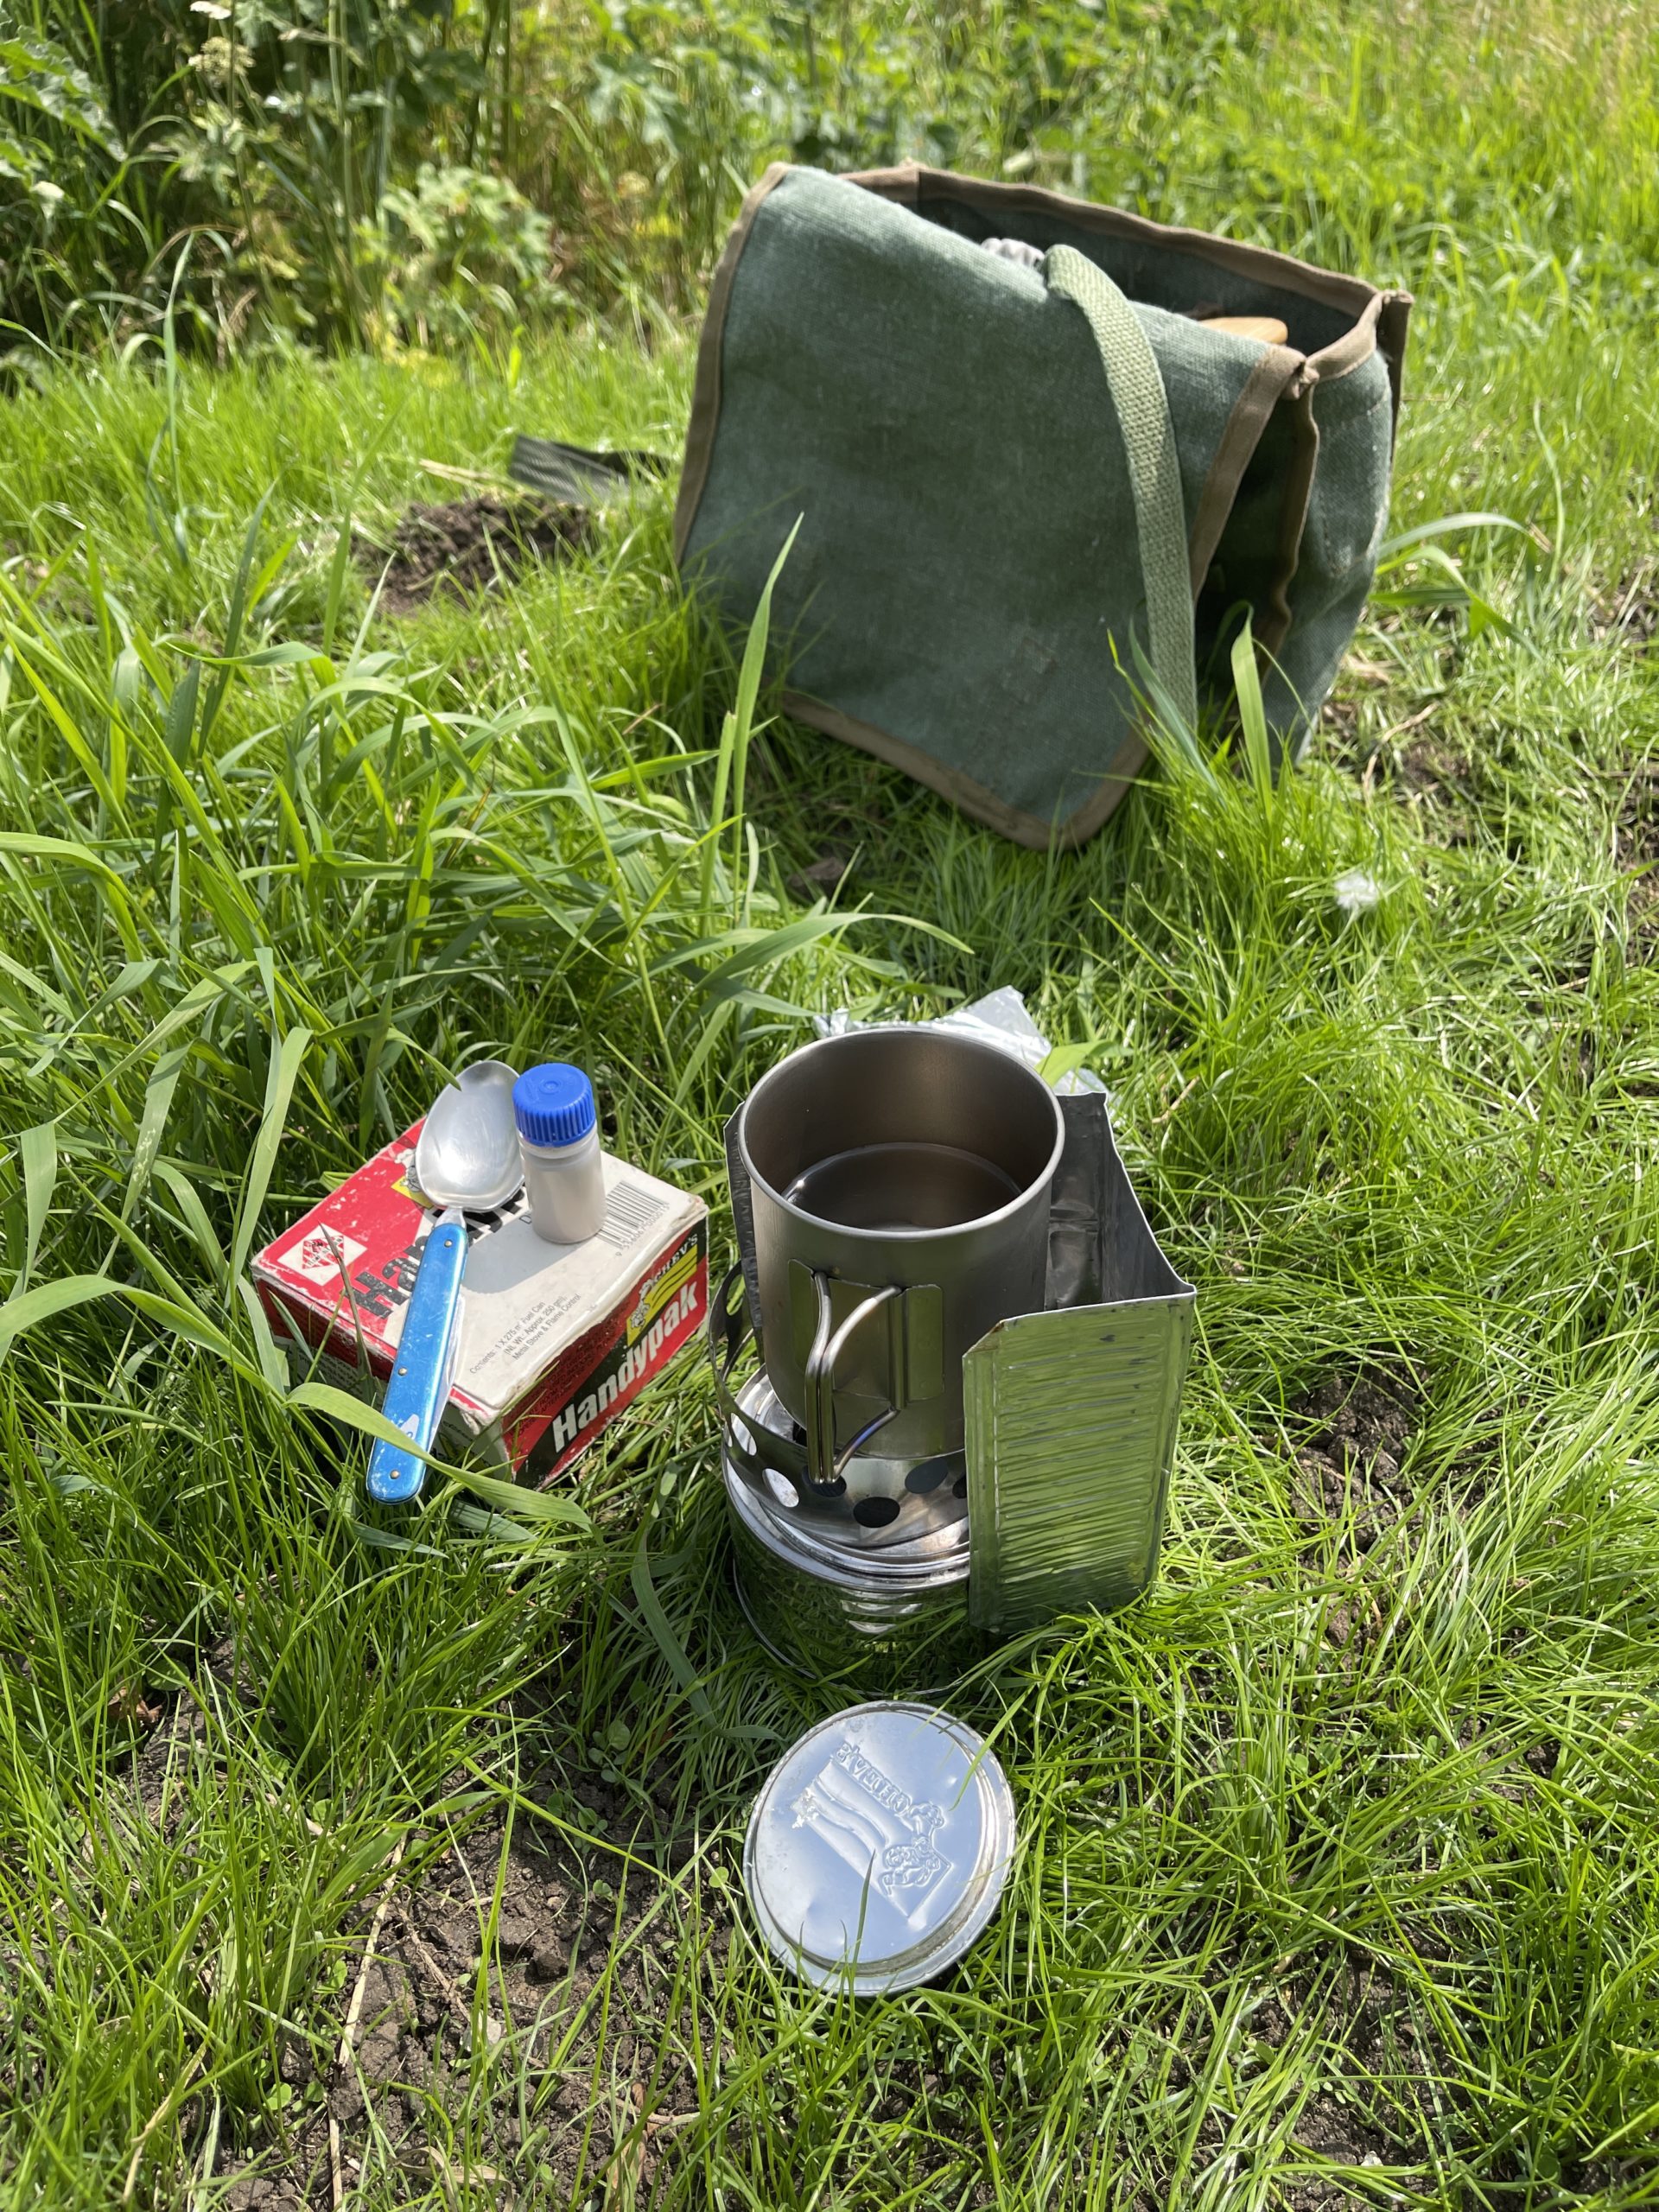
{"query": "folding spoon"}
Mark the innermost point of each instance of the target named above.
(467, 1160)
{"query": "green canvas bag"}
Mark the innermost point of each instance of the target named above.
(1009, 478)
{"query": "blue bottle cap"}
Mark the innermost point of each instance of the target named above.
(553, 1103)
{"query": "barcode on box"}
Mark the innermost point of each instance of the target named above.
(629, 1212)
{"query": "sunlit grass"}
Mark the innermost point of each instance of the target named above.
(1338, 1875)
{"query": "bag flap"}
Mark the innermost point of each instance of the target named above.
(966, 584)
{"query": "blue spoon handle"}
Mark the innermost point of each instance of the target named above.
(419, 1380)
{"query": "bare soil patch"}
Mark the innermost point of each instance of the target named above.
(1382, 2076)
(1362, 1425)
(1340, 728)
(1429, 766)
(574, 2001)
(1347, 1473)
(1636, 845)
(1628, 609)
(1430, 775)
(469, 545)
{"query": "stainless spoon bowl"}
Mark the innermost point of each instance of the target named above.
(467, 1155)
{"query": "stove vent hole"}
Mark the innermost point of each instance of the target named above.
(927, 1474)
(875, 1512)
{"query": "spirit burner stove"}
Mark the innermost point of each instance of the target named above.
(950, 1358)
(820, 1586)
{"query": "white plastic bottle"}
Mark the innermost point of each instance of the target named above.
(564, 1169)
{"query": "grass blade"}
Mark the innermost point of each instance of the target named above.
(38, 1148)
(158, 1097)
(279, 1091)
(1253, 715)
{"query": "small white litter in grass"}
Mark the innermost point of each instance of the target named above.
(1355, 893)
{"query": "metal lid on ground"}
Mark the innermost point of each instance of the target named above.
(878, 1847)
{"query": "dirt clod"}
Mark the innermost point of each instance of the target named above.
(264, 2193)
(389, 2013)
(468, 545)
(516, 1935)
(296, 2065)
(547, 1962)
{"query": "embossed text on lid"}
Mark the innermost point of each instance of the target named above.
(879, 1846)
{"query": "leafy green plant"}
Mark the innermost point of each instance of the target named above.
(62, 163)
(271, 129)
(458, 252)
(304, 114)
(40, 86)
(276, 129)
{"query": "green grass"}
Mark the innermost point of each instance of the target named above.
(1338, 1852)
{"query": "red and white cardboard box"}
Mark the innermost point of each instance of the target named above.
(555, 1340)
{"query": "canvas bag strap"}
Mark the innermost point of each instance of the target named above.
(1141, 406)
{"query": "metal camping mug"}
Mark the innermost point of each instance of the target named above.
(899, 1182)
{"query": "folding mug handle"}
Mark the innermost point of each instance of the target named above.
(913, 1332)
